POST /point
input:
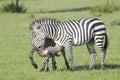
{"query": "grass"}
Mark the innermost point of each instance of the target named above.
(115, 23)
(105, 8)
(15, 43)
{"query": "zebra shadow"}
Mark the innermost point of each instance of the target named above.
(96, 67)
(66, 10)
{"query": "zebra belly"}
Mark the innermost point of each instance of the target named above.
(78, 43)
(80, 40)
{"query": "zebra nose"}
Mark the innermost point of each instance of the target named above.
(44, 55)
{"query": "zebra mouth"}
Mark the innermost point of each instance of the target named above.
(44, 54)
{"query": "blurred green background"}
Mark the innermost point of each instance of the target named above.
(15, 41)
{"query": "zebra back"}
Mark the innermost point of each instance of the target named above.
(44, 21)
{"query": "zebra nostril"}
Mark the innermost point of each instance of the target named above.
(39, 47)
(38, 27)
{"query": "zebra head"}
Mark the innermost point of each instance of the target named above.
(38, 43)
(40, 31)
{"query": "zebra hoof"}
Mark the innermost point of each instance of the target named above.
(90, 67)
(54, 67)
(35, 66)
(68, 67)
(71, 69)
(102, 67)
(42, 69)
(47, 69)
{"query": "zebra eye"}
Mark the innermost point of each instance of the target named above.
(38, 27)
(34, 35)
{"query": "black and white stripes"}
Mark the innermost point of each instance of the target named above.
(83, 30)
(75, 32)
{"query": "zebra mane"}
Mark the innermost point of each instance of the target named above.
(44, 21)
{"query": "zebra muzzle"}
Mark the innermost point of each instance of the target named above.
(44, 54)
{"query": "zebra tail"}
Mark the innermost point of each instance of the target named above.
(106, 42)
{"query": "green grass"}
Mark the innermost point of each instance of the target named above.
(105, 8)
(15, 42)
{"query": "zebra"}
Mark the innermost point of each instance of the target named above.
(48, 44)
(77, 32)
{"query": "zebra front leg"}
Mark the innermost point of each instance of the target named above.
(65, 59)
(54, 63)
(92, 52)
(52, 52)
(52, 55)
(70, 55)
(45, 65)
(31, 58)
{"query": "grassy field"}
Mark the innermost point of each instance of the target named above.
(15, 42)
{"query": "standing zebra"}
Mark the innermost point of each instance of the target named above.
(87, 31)
(48, 45)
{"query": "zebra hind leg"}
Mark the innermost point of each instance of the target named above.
(99, 40)
(91, 50)
(103, 54)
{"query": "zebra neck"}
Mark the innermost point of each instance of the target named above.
(51, 31)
